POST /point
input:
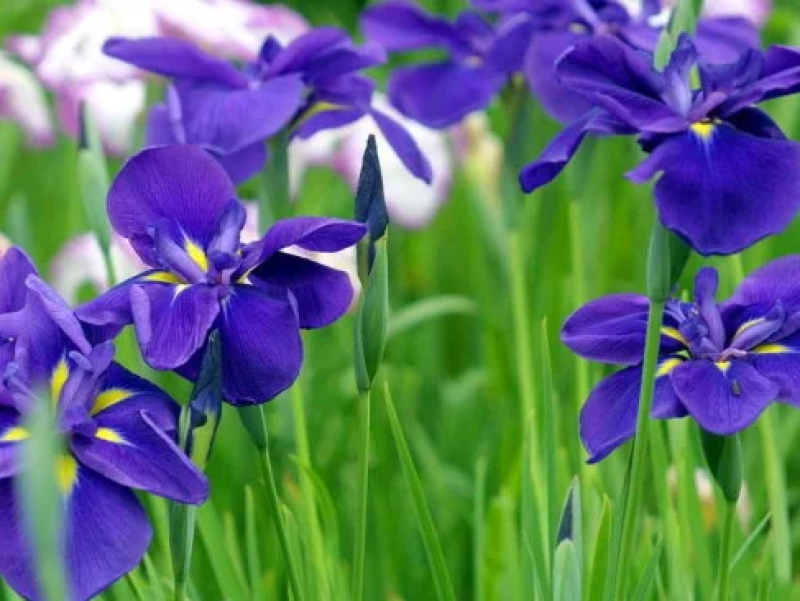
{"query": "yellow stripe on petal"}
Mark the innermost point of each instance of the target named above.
(66, 473)
(15, 434)
(109, 398)
(196, 254)
(723, 366)
(110, 435)
(675, 334)
(772, 349)
(704, 129)
(58, 379)
(163, 277)
(747, 325)
(667, 366)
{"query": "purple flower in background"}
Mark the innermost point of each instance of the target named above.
(178, 208)
(119, 432)
(481, 59)
(729, 177)
(561, 24)
(721, 363)
(312, 84)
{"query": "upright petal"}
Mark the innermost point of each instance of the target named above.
(715, 182)
(15, 267)
(174, 58)
(723, 397)
(723, 39)
(442, 94)
(180, 183)
(402, 26)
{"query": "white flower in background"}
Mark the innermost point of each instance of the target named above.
(756, 11)
(80, 263)
(704, 487)
(68, 54)
(22, 100)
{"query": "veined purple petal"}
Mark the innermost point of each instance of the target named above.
(401, 26)
(322, 294)
(15, 267)
(404, 146)
(723, 397)
(261, 347)
(131, 451)
(172, 321)
(714, 185)
(608, 419)
(621, 80)
(180, 183)
(107, 534)
(442, 94)
(778, 281)
(174, 58)
(779, 362)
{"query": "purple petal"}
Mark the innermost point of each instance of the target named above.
(159, 130)
(724, 398)
(328, 119)
(608, 419)
(563, 147)
(245, 163)
(171, 321)
(722, 40)
(714, 185)
(107, 534)
(15, 267)
(780, 364)
(621, 80)
(402, 26)
(9, 441)
(261, 347)
(307, 49)
(322, 294)
(561, 103)
(777, 281)
(612, 330)
(404, 146)
(507, 52)
(180, 184)
(174, 58)
(130, 450)
(442, 94)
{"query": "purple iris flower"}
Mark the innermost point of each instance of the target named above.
(178, 208)
(15, 267)
(729, 176)
(721, 363)
(561, 24)
(119, 435)
(481, 59)
(312, 84)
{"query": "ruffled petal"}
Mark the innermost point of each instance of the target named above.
(322, 294)
(130, 450)
(261, 347)
(723, 397)
(723, 189)
(172, 321)
(174, 58)
(180, 184)
(442, 94)
(608, 419)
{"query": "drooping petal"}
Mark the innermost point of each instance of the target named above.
(174, 58)
(513, 37)
(714, 184)
(779, 362)
(608, 419)
(172, 321)
(442, 94)
(106, 533)
(322, 294)
(261, 346)
(723, 397)
(130, 450)
(181, 184)
(328, 118)
(402, 26)
(245, 163)
(15, 267)
(404, 146)
(563, 147)
(306, 49)
(612, 329)
(621, 80)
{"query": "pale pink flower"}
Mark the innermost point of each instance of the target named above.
(22, 100)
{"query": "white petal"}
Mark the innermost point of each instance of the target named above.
(22, 100)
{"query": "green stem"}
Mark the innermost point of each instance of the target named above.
(579, 287)
(632, 500)
(725, 552)
(265, 461)
(364, 402)
(522, 337)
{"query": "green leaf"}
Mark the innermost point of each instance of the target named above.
(567, 573)
(645, 586)
(429, 309)
(372, 320)
(724, 458)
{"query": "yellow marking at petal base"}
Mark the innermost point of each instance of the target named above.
(675, 335)
(196, 254)
(109, 398)
(747, 325)
(66, 473)
(58, 379)
(723, 366)
(703, 129)
(772, 349)
(667, 366)
(15, 434)
(163, 277)
(109, 435)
